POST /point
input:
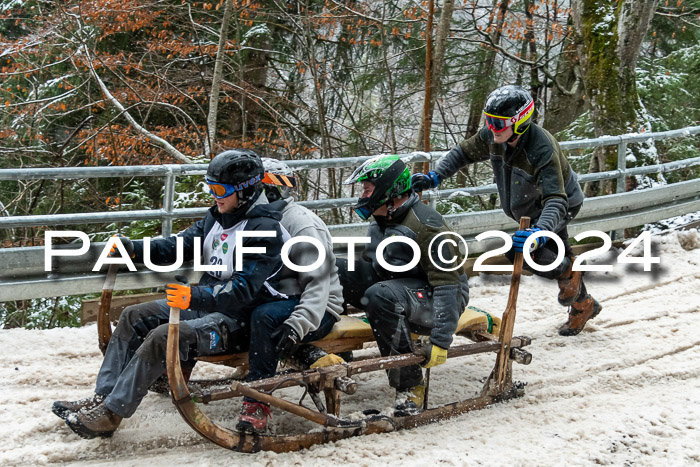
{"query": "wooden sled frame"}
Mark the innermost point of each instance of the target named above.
(335, 380)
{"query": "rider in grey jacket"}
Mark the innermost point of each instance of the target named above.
(320, 295)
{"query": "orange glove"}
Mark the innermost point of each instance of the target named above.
(179, 295)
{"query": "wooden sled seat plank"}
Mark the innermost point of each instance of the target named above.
(349, 326)
(350, 333)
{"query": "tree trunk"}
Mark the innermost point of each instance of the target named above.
(483, 83)
(250, 71)
(216, 80)
(611, 37)
(567, 101)
(441, 36)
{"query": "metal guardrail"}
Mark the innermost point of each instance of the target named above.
(170, 171)
(22, 274)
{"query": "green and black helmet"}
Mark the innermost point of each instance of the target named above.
(390, 177)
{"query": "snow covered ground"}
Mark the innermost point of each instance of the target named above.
(626, 391)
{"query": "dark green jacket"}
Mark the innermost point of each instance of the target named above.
(534, 178)
(450, 289)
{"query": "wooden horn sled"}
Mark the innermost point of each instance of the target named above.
(489, 334)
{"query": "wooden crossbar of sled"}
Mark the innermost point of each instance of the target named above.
(349, 334)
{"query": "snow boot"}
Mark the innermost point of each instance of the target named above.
(579, 314)
(410, 401)
(253, 418)
(569, 285)
(98, 422)
(64, 408)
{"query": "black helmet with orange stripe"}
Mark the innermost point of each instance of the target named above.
(279, 179)
(236, 170)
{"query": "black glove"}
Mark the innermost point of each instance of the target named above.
(285, 339)
(128, 245)
(421, 181)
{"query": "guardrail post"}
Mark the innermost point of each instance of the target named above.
(622, 166)
(168, 202)
(5, 212)
(621, 182)
(433, 198)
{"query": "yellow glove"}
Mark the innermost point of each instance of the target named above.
(434, 355)
(179, 295)
(327, 360)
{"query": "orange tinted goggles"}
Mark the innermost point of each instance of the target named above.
(220, 190)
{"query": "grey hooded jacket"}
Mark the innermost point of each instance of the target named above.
(319, 289)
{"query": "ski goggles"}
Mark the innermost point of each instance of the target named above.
(220, 190)
(497, 124)
(363, 209)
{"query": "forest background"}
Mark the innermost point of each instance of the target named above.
(132, 82)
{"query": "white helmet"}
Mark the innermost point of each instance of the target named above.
(279, 179)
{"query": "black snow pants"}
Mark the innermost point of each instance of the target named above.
(394, 308)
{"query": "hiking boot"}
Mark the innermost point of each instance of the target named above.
(305, 356)
(64, 408)
(410, 401)
(253, 417)
(579, 314)
(99, 421)
(570, 285)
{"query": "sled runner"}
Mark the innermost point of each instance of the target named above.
(489, 334)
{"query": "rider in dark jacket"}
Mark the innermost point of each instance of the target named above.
(214, 314)
(427, 298)
(534, 179)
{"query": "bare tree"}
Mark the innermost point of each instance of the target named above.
(437, 67)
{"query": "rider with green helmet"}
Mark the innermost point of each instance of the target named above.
(388, 174)
(427, 298)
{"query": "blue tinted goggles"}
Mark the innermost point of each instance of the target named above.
(220, 190)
